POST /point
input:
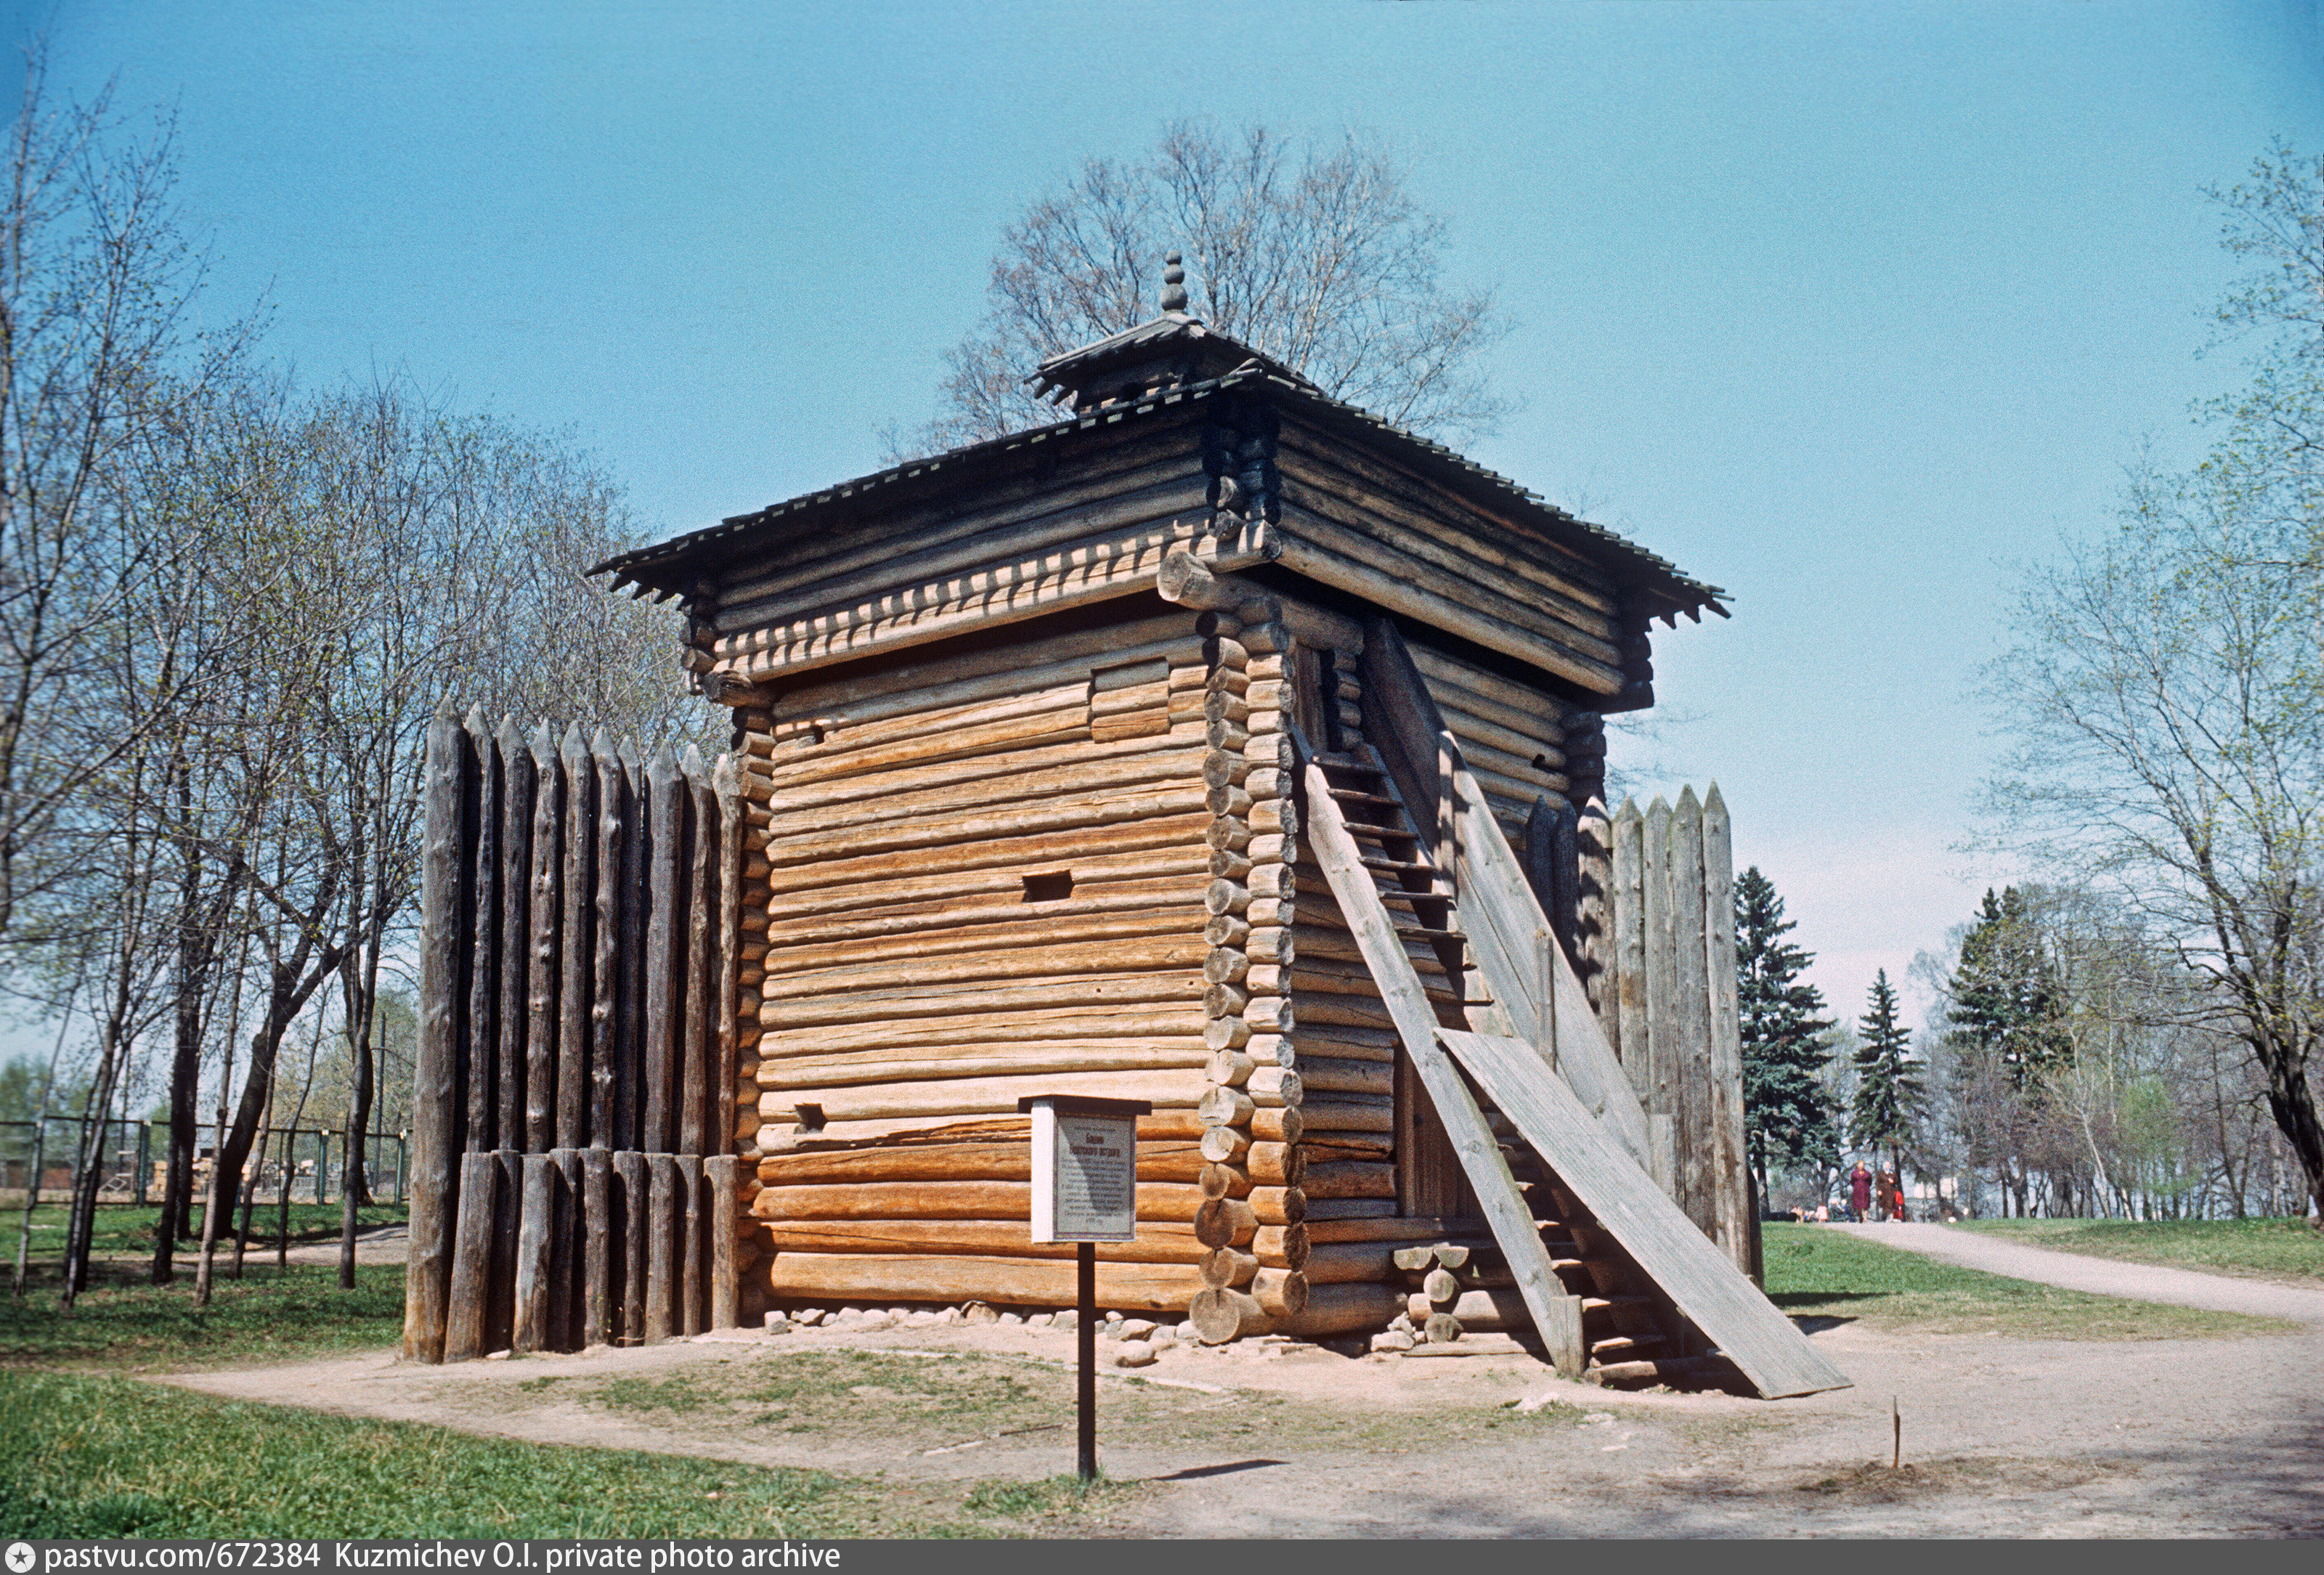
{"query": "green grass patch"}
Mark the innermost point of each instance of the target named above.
(85, 1456)
(1816, 1273)
(264, 1317)
(127, 1229)
(2289, 1251)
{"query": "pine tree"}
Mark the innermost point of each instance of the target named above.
(2008, 1002)
(1785, 1114)
(1888, 1092)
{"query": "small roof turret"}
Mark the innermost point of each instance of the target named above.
(1170, 351)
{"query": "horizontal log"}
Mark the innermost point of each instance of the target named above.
(1220, 1315)
(1168, 1159)
(1323, 1075)
(1228, 1266)
(1345, 1262)
(1416, 1228)
(884, 1065)
(1487, 1312)
(828, 1276)
(966, 1200)
(934, 891)
(788, 1138)
(959, 675)
(1280, 1292)
(1354, 1308)
(1348, 1113)
(1157, 1242)
(980, 1095)
(1349, 1179)
(871, 875)
(933, 1034)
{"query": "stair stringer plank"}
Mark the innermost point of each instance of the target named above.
(1555, 1313)
(1666, 1245)
(1499, 910)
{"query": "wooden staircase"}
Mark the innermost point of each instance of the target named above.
(1623, 1335)
(1614, 1277)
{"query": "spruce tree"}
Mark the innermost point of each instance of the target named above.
(1787, 1117)
(2006, 997)
(1888, 1092)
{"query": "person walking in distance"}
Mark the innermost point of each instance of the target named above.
(1859, 1193)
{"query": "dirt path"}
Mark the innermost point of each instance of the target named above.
(2102, 1276)
(2001, 1438)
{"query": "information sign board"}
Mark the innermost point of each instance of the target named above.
(1085, 1170)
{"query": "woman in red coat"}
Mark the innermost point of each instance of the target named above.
(1859, 1193)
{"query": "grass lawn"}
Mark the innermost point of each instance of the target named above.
(1814, 1272)
(126, 1228)
(2288, 1251)
(122, 1323)
(88, 1455)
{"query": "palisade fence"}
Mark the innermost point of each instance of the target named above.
(308, 1160)
(572, 1180)
(1657, 904)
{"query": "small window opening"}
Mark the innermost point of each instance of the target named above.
(815, 733)
(1541, 762)
(1051, 888)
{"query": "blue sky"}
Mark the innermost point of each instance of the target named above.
(1848, 309)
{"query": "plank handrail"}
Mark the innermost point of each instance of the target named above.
(1499, 912)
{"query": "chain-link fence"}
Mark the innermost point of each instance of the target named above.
(307, 1161)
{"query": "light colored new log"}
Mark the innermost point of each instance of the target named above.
(1280, 1292)
(869, 1066)
(977, 1095)
(970, 1200)
(913, 1034)
(1001, 939)
(1158, 1241)
(998, 967)
(1226, 1267)
(811, 1276)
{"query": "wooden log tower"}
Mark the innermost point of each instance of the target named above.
(1224, 747)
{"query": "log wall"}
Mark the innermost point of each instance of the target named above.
(978, 876)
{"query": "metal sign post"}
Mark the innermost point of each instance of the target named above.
(1085, 1191)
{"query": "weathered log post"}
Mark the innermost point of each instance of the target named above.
(665, 951)
(482, 864)
(435, 1080)
(605, 958)
(517, 789)
(698, 1030)
(1738, 1207)
(577, 948)
(541, 971)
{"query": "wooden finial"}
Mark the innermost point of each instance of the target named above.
(1173, 284)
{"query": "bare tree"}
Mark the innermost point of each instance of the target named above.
(2167, 696)
(1319, 257)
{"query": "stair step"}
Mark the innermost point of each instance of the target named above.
(1357, 795)
(1402, 867)
(1621, 1345)
(1332, 763)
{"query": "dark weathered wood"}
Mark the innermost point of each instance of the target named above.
(727, 783)
(1594, 921)
(436, 1095)
(630, 968)
(697, 1032)
(631, 1178)
(508, 1210)
(693, 1250)
(1691, 1041)
(664, 1226)
(517, 777)
(604, 931)
(536, 1245)
(665, 951)
(1738, 1216)
(597, 1232)
(720, 1174)
(1498, 909)
(565, 1255)
(1657, 928)
(540, 958)
(1766, 1346)
(1555, 1314)
(466, 1317)
(481, 862)
(575, 946)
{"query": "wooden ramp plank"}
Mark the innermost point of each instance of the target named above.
(1556, 1314)
(1766, 1346)
(1499, 910)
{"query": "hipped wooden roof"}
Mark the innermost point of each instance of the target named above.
(683, 565)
